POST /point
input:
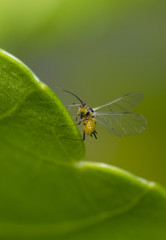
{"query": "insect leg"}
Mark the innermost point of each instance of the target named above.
(78, 123)
(94, 133)
(83, 138)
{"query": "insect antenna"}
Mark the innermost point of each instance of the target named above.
(83, 103)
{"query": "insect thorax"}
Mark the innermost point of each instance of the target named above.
(85, 112)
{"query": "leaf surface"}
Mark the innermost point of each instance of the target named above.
(47, 191)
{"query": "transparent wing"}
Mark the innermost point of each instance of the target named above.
(122, 124)
(73, 109)
(123, 104)
(72, 106)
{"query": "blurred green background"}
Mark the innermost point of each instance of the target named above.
(100, 50)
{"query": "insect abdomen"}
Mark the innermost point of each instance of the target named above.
(89, 126)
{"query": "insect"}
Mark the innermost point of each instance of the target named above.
(115, 116)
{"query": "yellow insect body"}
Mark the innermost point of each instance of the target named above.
(88, 120)
(89, 126)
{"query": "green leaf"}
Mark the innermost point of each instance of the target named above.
(32, 117)
(46, 190)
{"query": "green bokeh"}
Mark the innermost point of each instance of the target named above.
(99, 49)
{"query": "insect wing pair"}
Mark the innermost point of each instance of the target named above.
(116, 116)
